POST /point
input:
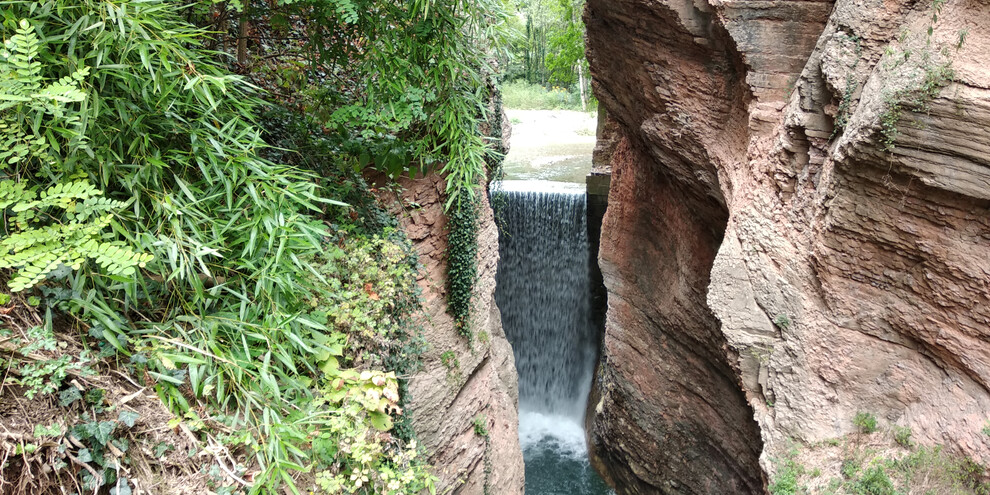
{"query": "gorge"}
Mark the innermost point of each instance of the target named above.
(796, 243)
(266, 247)
(797, 233)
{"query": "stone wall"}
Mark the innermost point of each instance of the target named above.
(474, 380)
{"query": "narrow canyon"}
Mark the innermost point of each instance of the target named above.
(798, 231)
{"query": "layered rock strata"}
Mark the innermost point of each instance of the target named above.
(461, 382)
(798, 230)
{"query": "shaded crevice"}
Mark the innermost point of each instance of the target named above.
(672, 417)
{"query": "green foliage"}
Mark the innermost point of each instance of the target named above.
(263, 309)
(865, 422)
(874, 481)
(845, 104)
(925, 87)
(363, 461)
(480, 423)
(426, 76)
(44, 376)
(548, 52)
(782, 322)
(932, 470)
(39, 126)
(902, 435)
(868, 470)
(462, 266)
(785, 482)
(42, 431)
(449, 360)
(849, 468)
(425, 72)
(248, 309)
(40, 239)
(169, 132)
(522, 95)
(548, 46)
(918, 98)
(98, 439)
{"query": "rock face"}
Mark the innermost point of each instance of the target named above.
(798, 230)
(461, 383)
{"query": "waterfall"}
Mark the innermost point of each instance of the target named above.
(544, 295)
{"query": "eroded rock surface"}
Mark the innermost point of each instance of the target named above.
(460, 383)
(836, 157)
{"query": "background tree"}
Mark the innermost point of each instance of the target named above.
(548, 47)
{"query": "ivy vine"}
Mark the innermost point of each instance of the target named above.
(462, 253)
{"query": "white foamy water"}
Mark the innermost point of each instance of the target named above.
(550, 431)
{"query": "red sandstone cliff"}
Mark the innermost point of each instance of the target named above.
(461, 382)
(777, 257)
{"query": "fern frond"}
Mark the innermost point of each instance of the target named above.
(14, 191)
(33, 112)
(93, 206)
(75, 235)
(35, 272)
(60, 195)
(21, 49)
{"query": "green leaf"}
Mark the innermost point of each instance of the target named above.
(128, 418)
(330, 365)
(122, 487)
(103, 431)
(380, 420)
(68, 396)
(165, 378)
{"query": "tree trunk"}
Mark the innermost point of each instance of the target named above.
(584, 97)
(242, 37)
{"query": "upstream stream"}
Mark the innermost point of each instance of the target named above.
(544, 295)
(550, 145)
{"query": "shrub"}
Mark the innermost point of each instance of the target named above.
(874, 481)
(449, 360)
(65, 223)
(902, 435)
(866, 422)
(782, 322)
(850, 467)
(932, 470)
(247, 309)
(786, 480)
(480, 423)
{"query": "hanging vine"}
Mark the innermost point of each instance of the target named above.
(462, 266)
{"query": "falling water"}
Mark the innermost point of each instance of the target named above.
(544, 295)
